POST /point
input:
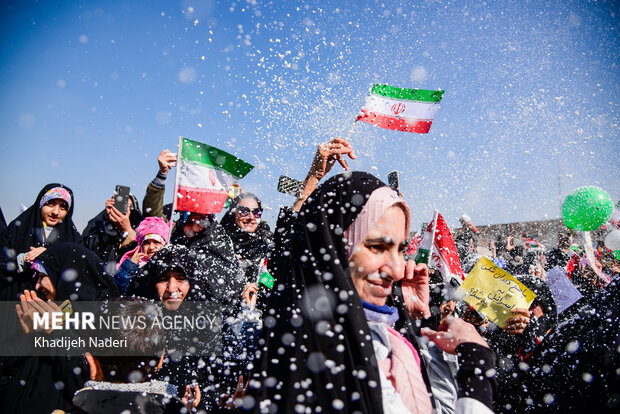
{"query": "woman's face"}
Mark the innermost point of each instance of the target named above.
(45, 287)
(378, 261)
(247, 216)
(149, 247)
(54, 211)
(172, 289)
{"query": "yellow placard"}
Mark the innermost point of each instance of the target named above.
(494, 292)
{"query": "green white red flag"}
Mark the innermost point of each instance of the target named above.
(535, 244)
(401, 109)
(204, 176)
(438, 245)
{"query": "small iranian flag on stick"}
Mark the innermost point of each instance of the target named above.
(204, 176)
(438, 245)
(401, 109)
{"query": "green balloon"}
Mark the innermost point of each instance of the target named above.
(617, 254)
(587, 208)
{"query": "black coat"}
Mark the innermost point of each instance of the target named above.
(223, 276)
(251, 248)
(557, 257)
(209, 275)
(575, 368)
(40, 384)
(512, 349)
(91, 401)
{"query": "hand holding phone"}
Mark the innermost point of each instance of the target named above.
(166, 160)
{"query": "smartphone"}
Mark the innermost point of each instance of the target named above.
(290, 186)
(121, 198)
(468, 313)
(66, 308)
(393, 181)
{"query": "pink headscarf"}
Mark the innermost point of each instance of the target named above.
(151, 228)
(379, 201)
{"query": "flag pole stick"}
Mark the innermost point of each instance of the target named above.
(257, 283)
(351, 130)
(176, 188)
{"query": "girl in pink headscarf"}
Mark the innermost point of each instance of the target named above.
(151, 235)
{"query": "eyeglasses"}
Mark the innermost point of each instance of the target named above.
(244, 211)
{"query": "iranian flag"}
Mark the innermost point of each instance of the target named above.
(438, 245)
(401, 109)
(204, 176)
(535, 244)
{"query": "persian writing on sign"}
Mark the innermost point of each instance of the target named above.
(494, 292)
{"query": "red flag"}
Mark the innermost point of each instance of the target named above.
(445, 256)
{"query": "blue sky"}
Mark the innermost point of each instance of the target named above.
(92, 91)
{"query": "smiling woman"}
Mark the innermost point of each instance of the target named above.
(54, 211)
(341, 335)
(181, 278)
(251, 236)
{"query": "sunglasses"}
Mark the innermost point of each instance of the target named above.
(244, 211)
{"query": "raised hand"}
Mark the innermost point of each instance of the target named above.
(416, 292)
(234, 402)
(119, 220)
(137, 256)
(166, 160)
(29, 304)
(327, 154)
(191, 399)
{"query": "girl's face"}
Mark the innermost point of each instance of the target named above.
(247, 215)
(378, 261)
(149, 247)
(54, 212)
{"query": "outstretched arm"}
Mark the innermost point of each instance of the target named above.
(153, 203)
(476, 375)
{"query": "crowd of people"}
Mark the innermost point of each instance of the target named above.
(349, 323)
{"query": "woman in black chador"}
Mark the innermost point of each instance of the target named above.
(41, 384)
